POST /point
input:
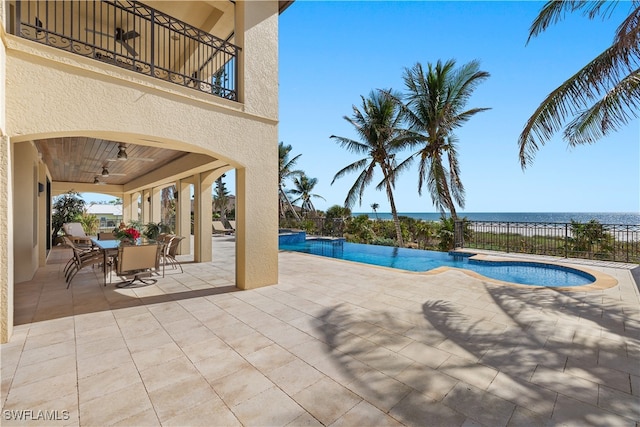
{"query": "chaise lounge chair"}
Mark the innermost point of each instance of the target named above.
(76, 233)
(219, 228)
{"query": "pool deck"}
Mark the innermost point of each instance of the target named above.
(333, 343)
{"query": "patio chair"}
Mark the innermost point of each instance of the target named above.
(219, 228)
(232, 224)
(81, 258)
(136, 262)
(76, 233)
(170, 252)
(107, 236)
(164, 239)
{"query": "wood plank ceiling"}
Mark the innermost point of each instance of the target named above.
(79, 159)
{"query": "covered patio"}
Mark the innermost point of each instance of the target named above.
(334, 343)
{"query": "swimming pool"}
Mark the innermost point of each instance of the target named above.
(521, 272)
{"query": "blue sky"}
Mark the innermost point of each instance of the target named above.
(333, 52)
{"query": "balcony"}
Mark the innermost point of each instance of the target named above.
(134, 36)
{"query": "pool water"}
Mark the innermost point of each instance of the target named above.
(521, 272)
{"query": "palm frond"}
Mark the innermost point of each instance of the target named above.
(351, 144)
(357, 189)
(626, 37)
(571, 98)
(436, 185)
(616, 109)
(424, 165)
(359, 164)
(455, 182)
(598, 99)
(552, 12)
(459, 119)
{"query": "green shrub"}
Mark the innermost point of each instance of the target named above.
(383, 241)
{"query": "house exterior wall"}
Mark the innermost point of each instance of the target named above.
(26, 211)
(52, 93)
(6, 209)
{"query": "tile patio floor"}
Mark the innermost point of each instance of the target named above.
(334, 343)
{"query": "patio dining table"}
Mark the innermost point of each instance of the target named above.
(109, 249)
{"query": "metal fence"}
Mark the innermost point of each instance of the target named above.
(132, 35)
(591, 240)
(326, 227)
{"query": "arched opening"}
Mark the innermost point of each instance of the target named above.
(167, 182)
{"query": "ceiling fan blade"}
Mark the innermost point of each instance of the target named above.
(139, 159)
(89, 30)
(129, 35)
(130, 49)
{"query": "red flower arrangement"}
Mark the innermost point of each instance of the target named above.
(128, 233)
(132, 232)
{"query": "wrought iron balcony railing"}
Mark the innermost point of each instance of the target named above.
(134, 36)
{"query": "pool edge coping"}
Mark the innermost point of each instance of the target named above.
(602, 281)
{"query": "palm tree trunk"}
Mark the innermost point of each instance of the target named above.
(288, 205)
(396, 220)
(394, 212)
(449, 200)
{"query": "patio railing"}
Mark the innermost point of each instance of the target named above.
(327, 227)
(591, 240)
(131, 35)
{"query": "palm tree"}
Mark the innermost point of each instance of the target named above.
(303, 189)
(381, 134)
(435, 107)
(286, 171)
(374, 207)
(600, 98)
(168, 205)
(221, 197)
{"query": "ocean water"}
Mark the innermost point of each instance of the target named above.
(625, 218)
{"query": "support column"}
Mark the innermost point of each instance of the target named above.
(256, 229)
(135, 206)
(127, 206)
(155, 205)
(183, 215)
(6, 235)
(146, 206)
(203, 210)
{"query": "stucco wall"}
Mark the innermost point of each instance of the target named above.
(78, 96)
(45, 92)
(25, 211)
(6, 211)
(6, 236)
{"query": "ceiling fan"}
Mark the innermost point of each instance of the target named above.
(105, 173)
(96, 180)
(123, 156)
(121, 36)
